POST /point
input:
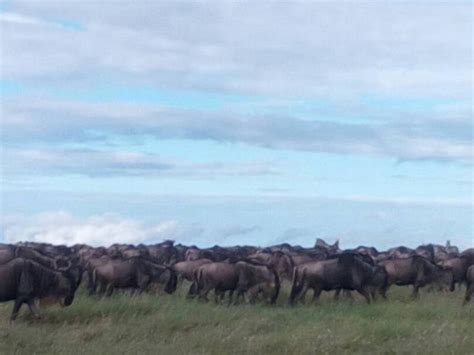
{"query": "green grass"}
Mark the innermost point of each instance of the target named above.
(170, 324)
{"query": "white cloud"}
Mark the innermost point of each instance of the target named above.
(278, 50)
(309, 48)
(106, 229)
(97, 163)
(237, 230)
(417, 139)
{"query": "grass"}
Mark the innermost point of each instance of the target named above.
(170, 324)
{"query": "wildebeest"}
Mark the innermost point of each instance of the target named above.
(400, 252)
(10, 252)
(92, 263)
(135, 274)
(333, 249)
(185, 269)
(24, 281)
(417, 271)
(468, 254)
(281, 262)
(257, 279)
(164, 253)
(220, 277)
(459, 266)
(347, 271)
(469, 284)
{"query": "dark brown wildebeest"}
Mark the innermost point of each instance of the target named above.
(400, 252)
(215, 253)
(257, 279)
(91, 265)
(369, 251)
(469, 283)
(192, 253)
(24, 281)
(186, 269)
(281, 262)
(220, 277)
(444, 252)
(10, 252)
(180, 251)
(468, 254)
(427, 251)
(134, 274)
(347, 271)
(332, 249)
(376, 284)
(86, 252)
(459, 266)
(132, 252)
(417, 271)
(163, 253)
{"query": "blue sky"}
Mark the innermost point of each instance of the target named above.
(237, 122)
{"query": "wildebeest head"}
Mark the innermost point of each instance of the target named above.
(68, 282)
(282, 263)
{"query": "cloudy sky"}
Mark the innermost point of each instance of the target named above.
(236, 122)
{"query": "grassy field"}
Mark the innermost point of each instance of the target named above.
(436, 323)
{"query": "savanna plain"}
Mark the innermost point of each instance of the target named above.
(436, 323)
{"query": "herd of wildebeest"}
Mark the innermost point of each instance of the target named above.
(39, 273)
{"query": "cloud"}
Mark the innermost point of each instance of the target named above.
(43, 121)
(237, 230)
(280, 51)
(273, 48)
(296, 235)
(97, 163)
(64, 228)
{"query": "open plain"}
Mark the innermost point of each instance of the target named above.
(436, 323)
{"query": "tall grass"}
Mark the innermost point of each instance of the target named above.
(170, 324)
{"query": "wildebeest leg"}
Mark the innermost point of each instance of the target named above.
(192, 290)
(33, 308)
(302, 296)
(16, 309)
(102, 289)
(415, 293)
(348, 295)
(363, 291)
(469, 292)
(218, 295)
(252, 294)
(316, 293)
(231, 296)
(373, 293)
(337, 294)
(239, 296)
(383, 291)
(91, 284)
(203, 294)
(109, 289)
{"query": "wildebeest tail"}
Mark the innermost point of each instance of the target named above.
(92, 281)
(296, 286)
(194, 288)
(172, 283)
(277, 286)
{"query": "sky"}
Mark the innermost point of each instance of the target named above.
(237, 122)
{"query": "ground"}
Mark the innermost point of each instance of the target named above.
(170, 324)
